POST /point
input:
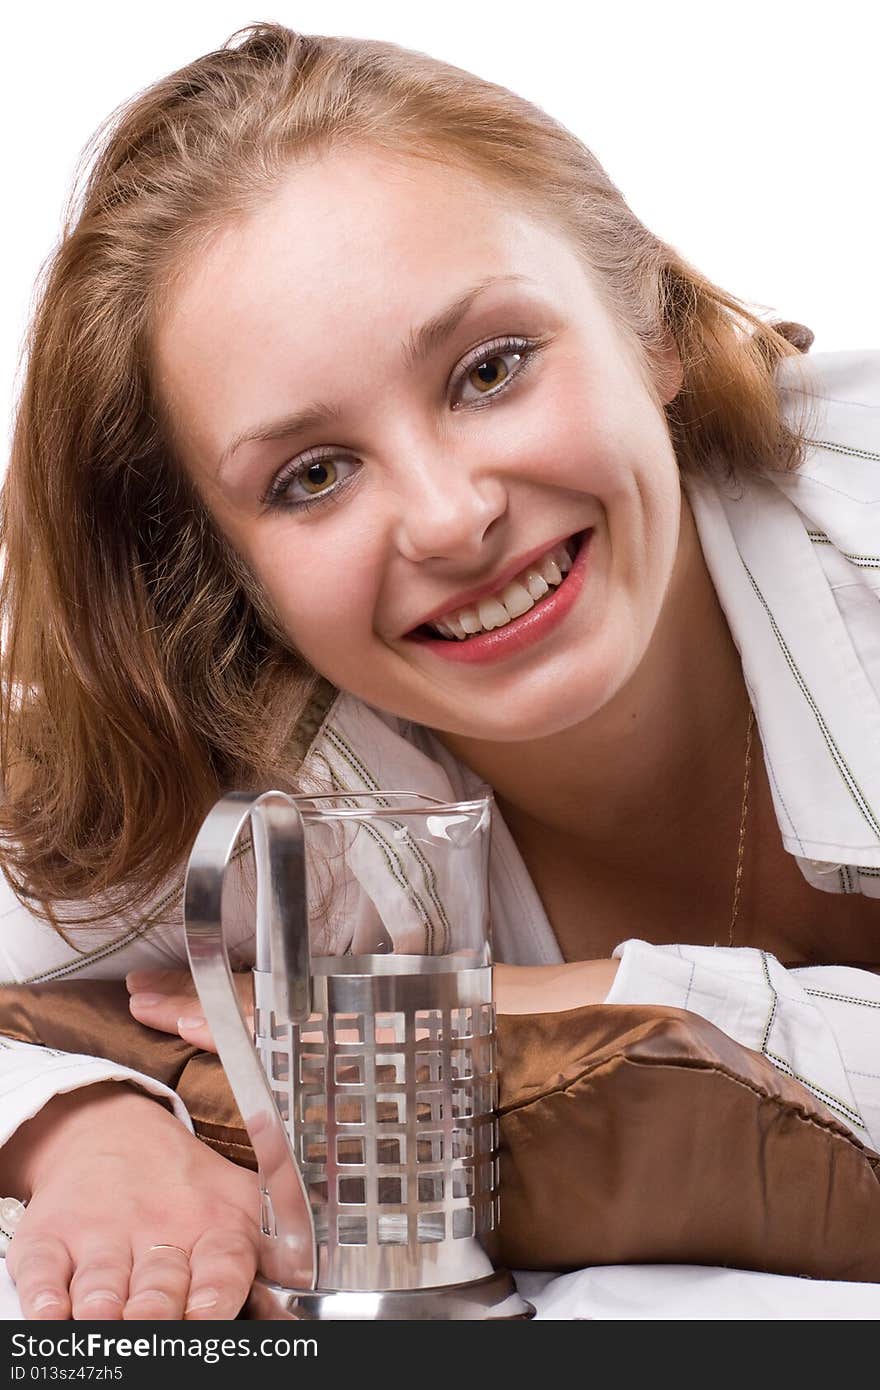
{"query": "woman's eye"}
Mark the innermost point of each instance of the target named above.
(308, 481)
(318, 477)
(488, 371)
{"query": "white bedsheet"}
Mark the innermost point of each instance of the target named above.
(651, 1292)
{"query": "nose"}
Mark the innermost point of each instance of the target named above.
(447, 508)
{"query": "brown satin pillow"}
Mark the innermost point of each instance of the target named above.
(638, 1135)
(629, 1134)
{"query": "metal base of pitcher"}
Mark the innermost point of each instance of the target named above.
(493, 1298)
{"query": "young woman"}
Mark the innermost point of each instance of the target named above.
(368, 437)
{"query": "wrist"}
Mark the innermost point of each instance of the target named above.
(45, 1143)
(538, 989)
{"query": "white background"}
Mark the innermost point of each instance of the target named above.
(745, 134)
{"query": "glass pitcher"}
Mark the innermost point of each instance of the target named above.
(368, 1085)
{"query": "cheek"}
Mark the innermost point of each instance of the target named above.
(324, 603)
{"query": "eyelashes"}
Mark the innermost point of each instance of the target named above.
(278, 496)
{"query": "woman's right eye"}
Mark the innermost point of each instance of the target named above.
(319, 476)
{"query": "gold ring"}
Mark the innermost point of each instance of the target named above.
(184, 1253)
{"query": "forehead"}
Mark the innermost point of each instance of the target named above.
(356, 225)
(352, 251)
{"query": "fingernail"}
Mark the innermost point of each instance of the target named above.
(45, 1300)
(149, 1294)
(102, 1295)
(146, 1001)
(190, 1023)
(205, 1298)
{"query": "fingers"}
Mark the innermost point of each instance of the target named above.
(167, 1000)
(223, 1266)
(99, 1287)
(40, 1268)
(160, 1280)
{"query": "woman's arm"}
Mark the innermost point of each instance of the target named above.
(167, 1000)
(823, 1029)
(550, 989)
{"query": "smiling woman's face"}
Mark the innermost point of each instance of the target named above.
(434, 467)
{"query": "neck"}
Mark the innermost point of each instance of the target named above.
(654, 778)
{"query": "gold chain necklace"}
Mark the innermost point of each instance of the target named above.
(742, 826)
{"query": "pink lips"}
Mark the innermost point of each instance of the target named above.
(522, 632)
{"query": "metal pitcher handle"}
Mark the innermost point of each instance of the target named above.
(289, 1255)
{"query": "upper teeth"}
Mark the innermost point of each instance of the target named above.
(516, 598)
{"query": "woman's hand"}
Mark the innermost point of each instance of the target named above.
(129, 1215)
(167, 1000)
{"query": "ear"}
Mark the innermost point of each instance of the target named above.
(670, 373)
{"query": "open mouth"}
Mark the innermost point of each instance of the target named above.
(525, 593)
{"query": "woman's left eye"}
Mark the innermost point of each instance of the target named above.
(487, 372)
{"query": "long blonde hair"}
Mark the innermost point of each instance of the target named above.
(141, 672)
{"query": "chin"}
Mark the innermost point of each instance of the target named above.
(526, 724)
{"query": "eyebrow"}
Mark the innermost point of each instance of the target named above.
(419, 346)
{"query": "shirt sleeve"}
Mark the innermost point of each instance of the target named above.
(32, 1075)
(32, 952)
(818, 1024)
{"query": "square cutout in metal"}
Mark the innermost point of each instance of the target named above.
(391, 1151)
(428, 1026)
(392, 1191)
(351, 1230)
(352, 1190)
(349, 1109)
(280, 1066)
(391, 1228)
(311, 1070)
(429, 1068)
(429, 1107)
(348, 1069)
(430, 1187)
(461, 1023)
(429, 1148)
(313, 1149)
(312, 1107)
(462, 1102)
(463, 1182)
(463, 1143)
(390, 1068)
(461, 1059)
(349, 1150)
(390, 1028)
(348, 1028)
(390, 1109)
(462, 1222)
(430, 1225)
